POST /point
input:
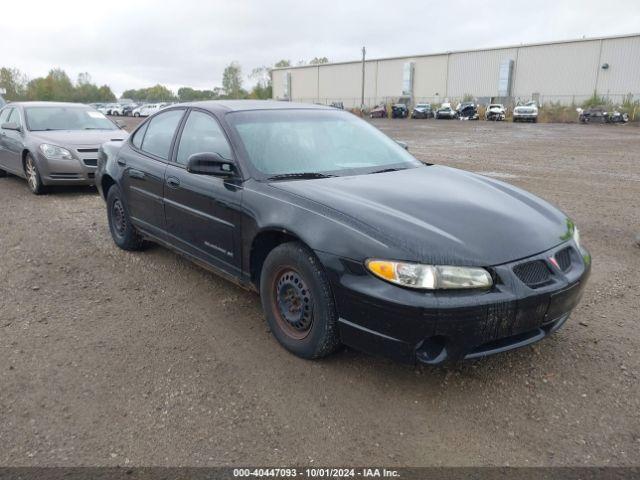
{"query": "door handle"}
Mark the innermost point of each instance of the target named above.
(136, 174)
(173, 182)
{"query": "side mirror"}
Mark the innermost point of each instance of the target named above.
(403, 145)
(11, 126)
(210, 164)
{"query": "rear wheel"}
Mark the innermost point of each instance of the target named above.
(33, 176)
(298, 302)
(123, 232)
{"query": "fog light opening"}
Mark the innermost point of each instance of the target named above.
(432, 350)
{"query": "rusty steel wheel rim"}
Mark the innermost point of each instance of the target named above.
(292, 303)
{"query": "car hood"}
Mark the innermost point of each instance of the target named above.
(440, 215)
(63, 138)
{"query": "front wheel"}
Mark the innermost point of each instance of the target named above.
(123, 232)
(136, 114)
(34, 180)
(298, 302)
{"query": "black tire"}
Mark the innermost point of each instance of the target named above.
(123, 232)
(298, 302)
(136, 114)
(34, 180)
(2, 173)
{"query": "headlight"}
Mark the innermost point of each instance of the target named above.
(576, 236)
(53, 152)
(430, 277)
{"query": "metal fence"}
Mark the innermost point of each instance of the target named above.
(541, 99)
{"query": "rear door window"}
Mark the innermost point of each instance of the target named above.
(139, 135)
(4, 115)
(160, 133)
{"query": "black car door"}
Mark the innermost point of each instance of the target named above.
(145, 161)
(202, 212)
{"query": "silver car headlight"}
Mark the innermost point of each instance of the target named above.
(53, 152)
(430, 277)
(576, 236)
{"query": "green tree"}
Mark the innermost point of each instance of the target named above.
(282, 64)
(319, 61)
(188, 94)
(157, 93)
(262, 89)
(14, 82)
(232, 81)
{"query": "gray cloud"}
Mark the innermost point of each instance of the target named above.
(132, 44)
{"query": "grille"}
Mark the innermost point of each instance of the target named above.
(563, 257)
(534, 274)
(87, 150)
(91, 162)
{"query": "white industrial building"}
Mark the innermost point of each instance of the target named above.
(564, 71)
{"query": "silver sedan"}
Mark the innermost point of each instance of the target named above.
(50, 143)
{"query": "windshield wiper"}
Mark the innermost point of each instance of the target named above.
(300, 175)
(385, 170)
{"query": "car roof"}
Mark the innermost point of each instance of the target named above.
(49, 104)
(243, 105)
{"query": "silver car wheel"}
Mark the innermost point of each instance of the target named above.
(32, 174)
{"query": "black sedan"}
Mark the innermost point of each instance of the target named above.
(399, 110)
(347, 238)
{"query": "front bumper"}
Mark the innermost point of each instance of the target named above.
(525, 116)
(434, 327)
(76, 171)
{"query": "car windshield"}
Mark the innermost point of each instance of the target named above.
(66, 118)
(422, 105)
(319, 142)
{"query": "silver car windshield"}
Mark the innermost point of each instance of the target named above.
(66, 118)
(290, 142)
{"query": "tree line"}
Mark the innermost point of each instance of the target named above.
(58, 86)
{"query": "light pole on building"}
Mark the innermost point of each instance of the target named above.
(364, 51)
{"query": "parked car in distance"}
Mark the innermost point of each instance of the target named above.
(338, 105)
(445, 111)
(345, 235)
(116, 110)
(526, 113)
(422, 110)
(601, 114)
(148, 109)
(379, 111)
(128, 109)
(399, 110)
(467, 111)
(495, 112)
(50, 143)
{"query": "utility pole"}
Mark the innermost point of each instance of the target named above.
(364, 51)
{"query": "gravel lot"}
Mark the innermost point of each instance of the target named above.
(115, 358)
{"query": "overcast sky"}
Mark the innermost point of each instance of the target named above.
(138, 43)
